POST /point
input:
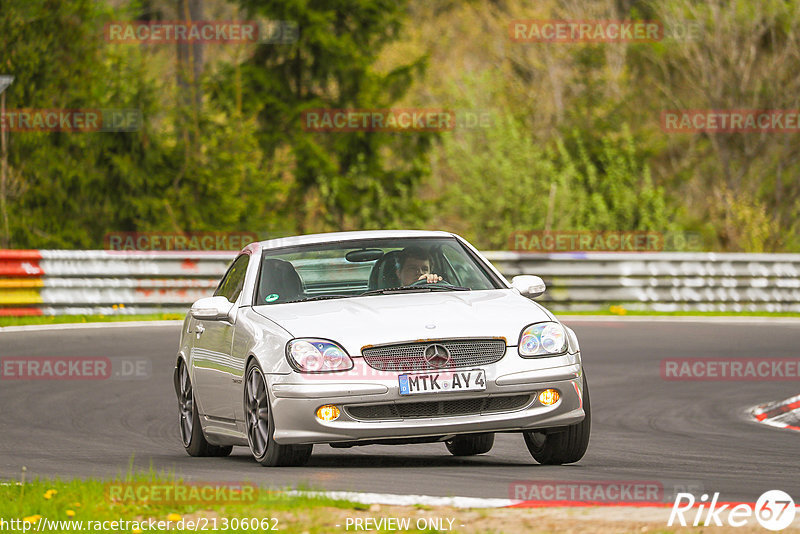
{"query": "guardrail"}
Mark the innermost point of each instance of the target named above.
(52, 282)
(74, 282)
(662, 281)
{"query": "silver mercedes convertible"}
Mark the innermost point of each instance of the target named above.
(381, 337)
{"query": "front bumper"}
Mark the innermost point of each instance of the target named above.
(295, 398)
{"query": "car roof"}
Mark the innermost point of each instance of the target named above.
(332, 237)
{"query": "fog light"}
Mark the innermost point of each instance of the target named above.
(549, 397)
(329, 412)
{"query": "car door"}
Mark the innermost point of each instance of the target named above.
(214, 366)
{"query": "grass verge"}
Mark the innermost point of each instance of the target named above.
(93, 505)
(61, 319)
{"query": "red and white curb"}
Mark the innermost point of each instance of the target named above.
(780, 414)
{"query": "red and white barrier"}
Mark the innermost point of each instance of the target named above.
(44, 282)
(53, 282)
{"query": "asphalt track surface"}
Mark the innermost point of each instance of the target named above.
(644, 428)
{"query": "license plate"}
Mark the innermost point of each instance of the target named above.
(442, 381)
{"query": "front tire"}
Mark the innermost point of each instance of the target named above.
(261, 427)
(194, 441)
(470, 445)
(563, 447)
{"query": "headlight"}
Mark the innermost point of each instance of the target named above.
(317, 356)
(542, 339)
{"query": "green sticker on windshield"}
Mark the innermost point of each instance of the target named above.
(272, 297)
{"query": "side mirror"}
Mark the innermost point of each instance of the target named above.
(211, 308)
(528, 285)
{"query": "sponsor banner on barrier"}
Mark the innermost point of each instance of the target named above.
(730, 369)
(74, 368)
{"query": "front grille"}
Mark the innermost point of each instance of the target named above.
(411, 356)
(416, 410)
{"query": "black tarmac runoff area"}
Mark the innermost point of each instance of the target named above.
(645, 428)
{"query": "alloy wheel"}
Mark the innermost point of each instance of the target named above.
(186, 405)
(257, 412)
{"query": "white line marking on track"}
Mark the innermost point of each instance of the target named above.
(408, 500)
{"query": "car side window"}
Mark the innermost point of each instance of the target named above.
(233, 282)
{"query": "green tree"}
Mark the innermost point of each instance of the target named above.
(68, 188)
(509, 183)
(192, 165)
(341, 180)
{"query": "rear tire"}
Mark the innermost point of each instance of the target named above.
(470, 445)
(194, 441)
(261, 427)
(564, 447)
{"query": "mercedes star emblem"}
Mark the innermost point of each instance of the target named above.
(437, 356)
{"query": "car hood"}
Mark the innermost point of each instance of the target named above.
(360, 321)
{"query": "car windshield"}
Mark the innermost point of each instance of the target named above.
(368, 267)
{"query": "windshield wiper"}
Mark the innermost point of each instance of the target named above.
(428, 287)
(321, 297)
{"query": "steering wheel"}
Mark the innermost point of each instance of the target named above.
(425, 282)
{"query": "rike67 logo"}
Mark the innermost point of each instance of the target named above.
(774, 510)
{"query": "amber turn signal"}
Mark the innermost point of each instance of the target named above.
(549, 397)
(328, 412)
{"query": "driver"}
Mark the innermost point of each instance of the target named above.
(414, 264)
